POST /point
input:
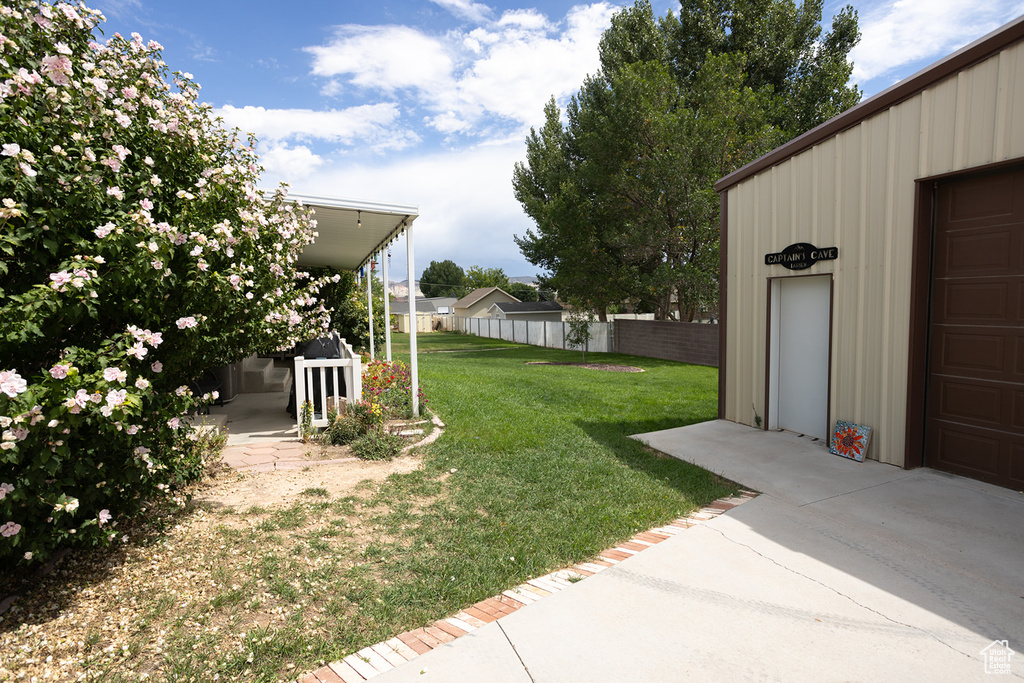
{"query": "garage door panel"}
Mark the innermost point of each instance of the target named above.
(973, 252)
(966, 449)
(969, 402)
(981, 198)
(969, 351)
(975, 302)
(1016, 466)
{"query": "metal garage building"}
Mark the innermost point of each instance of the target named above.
(873, 271)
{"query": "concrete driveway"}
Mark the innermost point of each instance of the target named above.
(839, 571)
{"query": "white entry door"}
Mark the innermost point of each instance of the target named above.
(798, 372)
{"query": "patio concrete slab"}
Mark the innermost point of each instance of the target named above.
(257, 418)
(847, 572)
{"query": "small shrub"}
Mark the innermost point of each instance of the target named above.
(369, 415)
(377, 444)
(343, 429)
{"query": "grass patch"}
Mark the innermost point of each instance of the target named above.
(534, 472)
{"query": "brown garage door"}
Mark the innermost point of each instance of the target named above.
(975, 408)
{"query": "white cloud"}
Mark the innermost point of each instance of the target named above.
(289, 163)
(372, 125)
(473, 11)
(900, 33)
(476, 83)
(388, 58)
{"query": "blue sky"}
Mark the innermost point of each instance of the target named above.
(428, 102)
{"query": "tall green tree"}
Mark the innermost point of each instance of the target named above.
(622, 193)
(522, 291)
(443, 278)
(477, 277)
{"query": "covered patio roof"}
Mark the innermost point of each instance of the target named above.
(351, 231)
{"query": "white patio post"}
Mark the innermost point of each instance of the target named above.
(369, 299)
(384, 257)
(412, 324)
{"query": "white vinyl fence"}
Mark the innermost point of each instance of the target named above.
(550, 334)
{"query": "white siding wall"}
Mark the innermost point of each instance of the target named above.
(856, 191)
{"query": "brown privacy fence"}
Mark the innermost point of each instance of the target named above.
(695, 343)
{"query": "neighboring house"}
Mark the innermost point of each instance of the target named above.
(426, 310)
(872, 270)
(479, 301)
(437, 304)
(526, 310)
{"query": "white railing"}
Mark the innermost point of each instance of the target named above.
(309, 370)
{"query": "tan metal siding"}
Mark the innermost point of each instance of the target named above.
(856, 191)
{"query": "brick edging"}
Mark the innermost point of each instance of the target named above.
(376, 659)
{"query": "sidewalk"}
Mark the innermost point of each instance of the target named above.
(838, 571)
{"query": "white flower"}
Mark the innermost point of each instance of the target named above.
(11, 149)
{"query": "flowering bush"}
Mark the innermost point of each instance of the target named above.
(390, 386)
(135, 252)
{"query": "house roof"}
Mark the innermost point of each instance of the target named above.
(478, 294)
(350, 230)
(978, 51)
(513, 307)
(426, 305)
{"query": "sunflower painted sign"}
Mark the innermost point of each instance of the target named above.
(850, 440)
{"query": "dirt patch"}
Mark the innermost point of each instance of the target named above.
(243, 490)
(607, 367)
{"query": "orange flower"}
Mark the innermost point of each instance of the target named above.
(848, 442)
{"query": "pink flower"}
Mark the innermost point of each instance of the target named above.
(185, 323)
(104, 517)
(141, 383)
(59, 371)
(158, 367)
(59, 279)
(12, 384)
(115, 375)
(122, 119)
(115, 397)
(174, 423)
(9, 529)
(11, 149)
(104, 230)
(138, 351)
(115, 192)
(132, 429)
(5, 489)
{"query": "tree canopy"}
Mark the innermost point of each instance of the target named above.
(622, 192)
(477, 277)
(443, 278)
